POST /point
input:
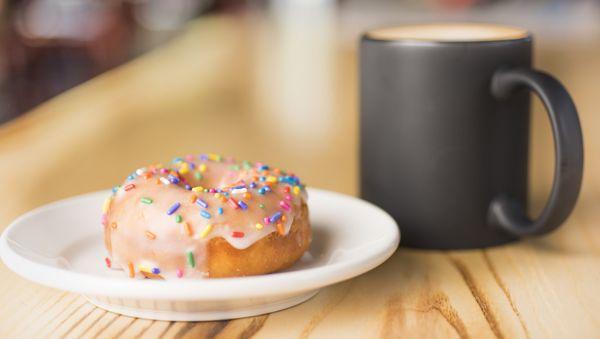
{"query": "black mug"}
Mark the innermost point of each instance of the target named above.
(445, 133)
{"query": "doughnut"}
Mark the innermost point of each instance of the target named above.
(206, 216)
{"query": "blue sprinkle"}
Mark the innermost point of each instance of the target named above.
(173, 179)
(238, 187)
(115, 189)
(176, 160)
(205, 214)
(202, 203)
(173, 208)
(261, 179)
(188, 187)
(242, 205)
(263, 168)
(220, 210)
(131, 177)
(275, 217)
(191, 165)
(264, 189)
(155, 270)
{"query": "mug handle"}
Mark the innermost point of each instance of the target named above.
(505, 212)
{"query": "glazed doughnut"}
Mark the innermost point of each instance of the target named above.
(206, 216)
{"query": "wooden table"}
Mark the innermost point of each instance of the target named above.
(237, 86)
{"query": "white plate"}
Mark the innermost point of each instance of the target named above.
(61, 245)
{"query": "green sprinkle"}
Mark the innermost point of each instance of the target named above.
(234, 167)
(197, 175)
(247, 165)
(191, 260)
(178, 218)
(261, 205)
(146, 201)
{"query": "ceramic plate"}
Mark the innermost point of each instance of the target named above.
(61, 245)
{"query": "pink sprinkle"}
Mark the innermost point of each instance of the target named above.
(179, 272)
(164, 170)
(266, 220)
(104, 219)
(284, 205)
(212, 190)
(288, 197)
(189, 157)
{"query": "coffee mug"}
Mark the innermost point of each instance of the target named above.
(445, 133)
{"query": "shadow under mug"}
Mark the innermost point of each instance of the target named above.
(445, 134)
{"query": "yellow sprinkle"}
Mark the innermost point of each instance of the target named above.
(217, 195)
(271, 179)
(193, 198)
(259, 226)
(184, 168)
(296, 190)
(247, 195)
(206, 230)
(145, 269)
(214, 157)
(283, 218)
(198, 189)
(106, 205)
(202, 167)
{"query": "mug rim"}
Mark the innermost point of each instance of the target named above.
(367, 35)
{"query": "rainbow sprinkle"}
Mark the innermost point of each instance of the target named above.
(206, 231)
(173, 208)
(190, 259)
(275, 217)
(146, 201)
(188, 229)
(284, 205)
(131, 270)
(202, 203)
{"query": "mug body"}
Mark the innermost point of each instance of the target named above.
(436, 146)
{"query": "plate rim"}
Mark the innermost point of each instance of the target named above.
(209, 289)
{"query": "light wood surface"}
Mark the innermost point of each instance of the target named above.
(257, 90)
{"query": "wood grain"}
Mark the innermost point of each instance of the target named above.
(257, 90)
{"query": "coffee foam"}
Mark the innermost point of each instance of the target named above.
(449, 32)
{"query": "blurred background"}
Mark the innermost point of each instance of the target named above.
(49, 46)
